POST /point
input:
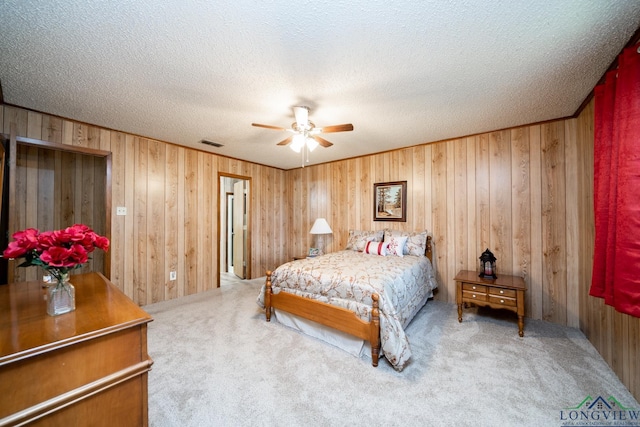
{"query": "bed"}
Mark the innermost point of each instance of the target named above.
(369, 292)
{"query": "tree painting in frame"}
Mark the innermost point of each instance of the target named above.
(390, 201)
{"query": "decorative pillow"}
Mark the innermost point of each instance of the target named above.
(376, 248)
(416, 241)
(395, 245)
(359, 238)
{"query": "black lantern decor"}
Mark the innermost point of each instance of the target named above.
(488, 265)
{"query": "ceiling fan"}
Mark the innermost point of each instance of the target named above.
(305, 132)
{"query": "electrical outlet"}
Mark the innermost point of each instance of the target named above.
(121, 210)
(172, 275)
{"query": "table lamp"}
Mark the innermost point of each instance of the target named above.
(321, 226)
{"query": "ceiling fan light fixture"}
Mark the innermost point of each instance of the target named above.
(311, 144)
(305, 136)
(298, 143)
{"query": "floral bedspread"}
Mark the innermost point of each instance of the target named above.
(349, 278)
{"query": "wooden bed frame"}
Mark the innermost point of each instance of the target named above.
(332, 316)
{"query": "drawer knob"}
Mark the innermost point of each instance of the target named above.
(474, 288)
(502, 292)
(474, 295)
(502, 301)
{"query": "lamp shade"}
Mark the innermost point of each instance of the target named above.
(321, 226)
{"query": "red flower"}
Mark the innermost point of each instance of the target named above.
(102, 243)
(14, 250)
(56, 250)
(78, 255)
(47, 239)
(57, 256)
(28, 238)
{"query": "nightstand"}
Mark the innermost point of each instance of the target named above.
(505, 292)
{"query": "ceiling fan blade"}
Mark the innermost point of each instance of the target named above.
(338, 128)
(322, 141)
(285, 141)
(302, 116)
(268, 126)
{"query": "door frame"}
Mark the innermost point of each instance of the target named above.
(249, 208)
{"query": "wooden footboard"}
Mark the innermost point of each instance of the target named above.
(329, 315)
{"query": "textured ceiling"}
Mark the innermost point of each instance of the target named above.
(403, 72)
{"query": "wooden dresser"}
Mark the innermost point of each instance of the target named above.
(87, 367)
(505, 292)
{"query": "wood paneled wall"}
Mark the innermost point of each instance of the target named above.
(506, 191)
(171, 196)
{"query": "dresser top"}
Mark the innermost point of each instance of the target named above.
(26, 328)
(503, 280)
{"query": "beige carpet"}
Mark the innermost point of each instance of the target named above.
(218, 363)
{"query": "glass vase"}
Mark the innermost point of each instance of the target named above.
(61, 296)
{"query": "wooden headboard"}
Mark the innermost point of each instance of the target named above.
(428, 250)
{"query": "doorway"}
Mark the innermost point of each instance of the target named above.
(234, 228)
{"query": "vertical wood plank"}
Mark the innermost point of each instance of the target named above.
(352, 188)
(472, 226)
(179, 290)
(521, 203)
(554, 223)
(191, 222)
(34, 125)
(206, 242)
(500, 200)
(46, 203)
(535, 292)
(483, 195)
(572, 204)
(428, 193)
(460, 225)
(417, 179)
(118, 236)
(130, 220)
(52, 129)
(450, 225)
(155, 214)
(439, 212)
(140, 280)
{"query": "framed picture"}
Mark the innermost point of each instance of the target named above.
(390, 201)
(314, 252)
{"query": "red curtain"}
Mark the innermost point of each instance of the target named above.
(616, 264)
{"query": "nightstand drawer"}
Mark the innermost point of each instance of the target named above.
(511, 302)
(510, 293)
(476, 296)
(474, 288)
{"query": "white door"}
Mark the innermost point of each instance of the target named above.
(239, 229)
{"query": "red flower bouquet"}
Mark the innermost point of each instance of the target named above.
(57, 251)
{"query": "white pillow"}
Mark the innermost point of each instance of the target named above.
(416, 241)
(376, 248)
(395, 245)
